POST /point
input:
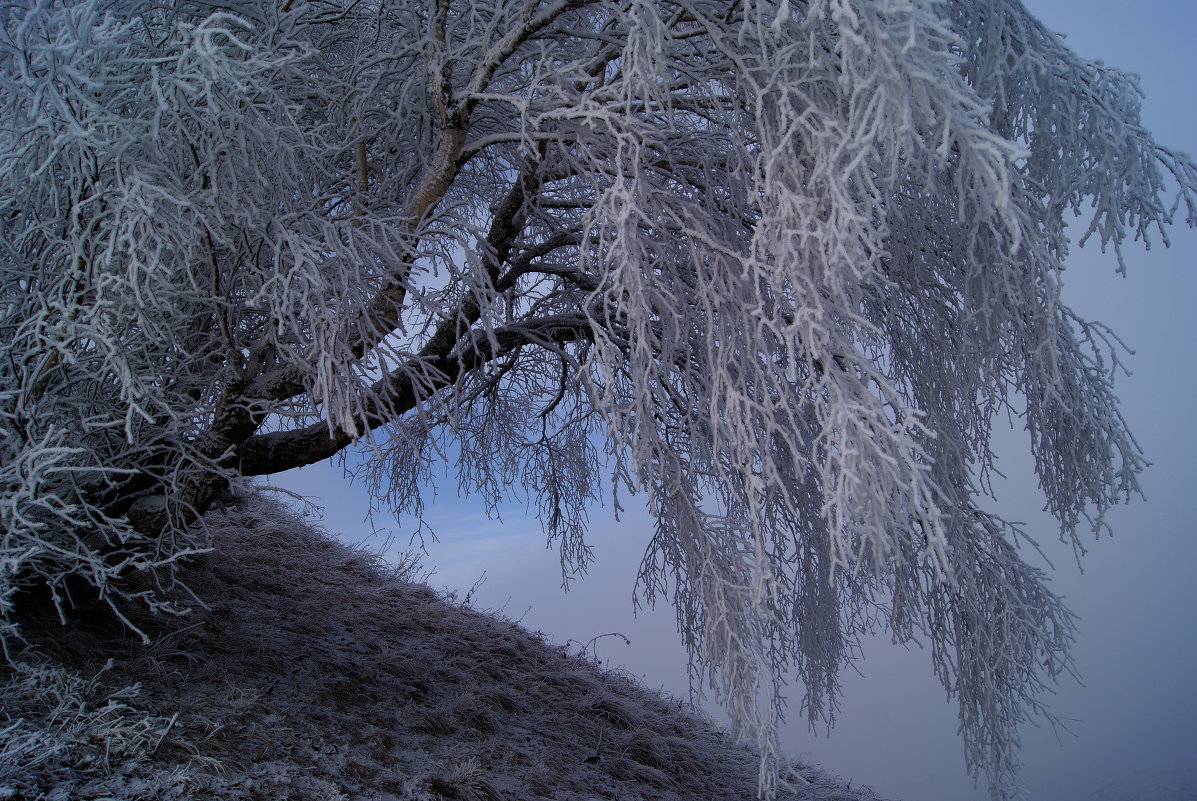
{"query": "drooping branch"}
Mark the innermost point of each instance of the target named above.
(789, 258)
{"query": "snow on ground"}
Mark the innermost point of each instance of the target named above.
(319, 674)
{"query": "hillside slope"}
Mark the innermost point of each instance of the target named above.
(318, 674)
(1175, 782)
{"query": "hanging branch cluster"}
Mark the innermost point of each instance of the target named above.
(786, 259)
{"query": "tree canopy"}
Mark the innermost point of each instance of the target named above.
(775, 265)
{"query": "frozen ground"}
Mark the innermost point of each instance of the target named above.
(318, 674)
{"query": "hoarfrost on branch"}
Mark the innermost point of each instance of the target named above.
(786, 260)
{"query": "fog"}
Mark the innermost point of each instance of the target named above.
(895, 731)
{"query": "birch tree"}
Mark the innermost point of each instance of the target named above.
(776, 266)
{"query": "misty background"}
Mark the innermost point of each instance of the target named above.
(895, 730)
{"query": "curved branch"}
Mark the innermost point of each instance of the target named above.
(282, 450)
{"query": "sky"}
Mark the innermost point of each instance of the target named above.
(1136, 597)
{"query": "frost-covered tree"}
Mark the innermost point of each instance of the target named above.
(775, 265)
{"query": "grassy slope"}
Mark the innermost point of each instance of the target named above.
(317, 674)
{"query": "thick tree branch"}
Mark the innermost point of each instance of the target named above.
(276, 451)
